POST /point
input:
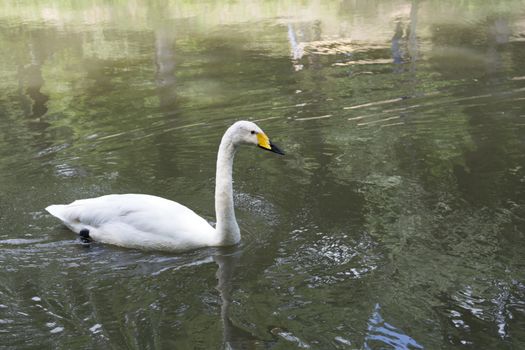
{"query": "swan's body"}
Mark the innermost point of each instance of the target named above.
(137, 221)
(150, 222)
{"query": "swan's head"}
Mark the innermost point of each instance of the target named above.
(245, 132)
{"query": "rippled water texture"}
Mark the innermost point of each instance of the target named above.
(395, 221)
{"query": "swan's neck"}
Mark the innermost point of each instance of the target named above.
(227, 228)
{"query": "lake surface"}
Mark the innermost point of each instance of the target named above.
(396, 220)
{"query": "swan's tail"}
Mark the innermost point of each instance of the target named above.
(57, 210)
(62, 212)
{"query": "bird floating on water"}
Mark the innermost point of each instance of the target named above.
(149, 222)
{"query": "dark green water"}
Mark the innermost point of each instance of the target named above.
(395, 221)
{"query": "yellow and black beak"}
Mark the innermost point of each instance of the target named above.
(265, 143)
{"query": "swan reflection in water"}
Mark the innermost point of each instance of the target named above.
(227, 258)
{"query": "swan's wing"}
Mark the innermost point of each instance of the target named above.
(136, 220)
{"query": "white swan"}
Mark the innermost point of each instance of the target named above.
(150, 222)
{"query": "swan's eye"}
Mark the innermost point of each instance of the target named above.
(252, 132)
